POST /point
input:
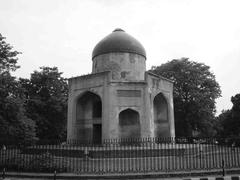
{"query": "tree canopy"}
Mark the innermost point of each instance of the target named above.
(229, 120)
(195, 92)
(46, 92)
(8, 56)
(14, 124)
(34, 108)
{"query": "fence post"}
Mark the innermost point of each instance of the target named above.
(86, 153)
(223, 169)
(3, 173)
(55, 175)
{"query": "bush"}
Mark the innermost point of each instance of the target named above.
(48, 163)
(35, 163)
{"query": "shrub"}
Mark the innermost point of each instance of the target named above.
(48, 163)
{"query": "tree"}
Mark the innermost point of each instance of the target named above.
(195, 92)
(8, 57)
(46, 94)
(220, 120)
(14, 124)
(230, 119)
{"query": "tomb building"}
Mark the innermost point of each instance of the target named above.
(119, 99)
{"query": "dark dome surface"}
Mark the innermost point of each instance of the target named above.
(118, 41)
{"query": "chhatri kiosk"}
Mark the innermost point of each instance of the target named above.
(119, 99)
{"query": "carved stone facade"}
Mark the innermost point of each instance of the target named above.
(119, 99)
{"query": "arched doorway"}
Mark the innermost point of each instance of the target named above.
(161, 120)
(129, 124)
(89, 118)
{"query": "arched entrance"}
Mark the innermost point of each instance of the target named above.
(129, 124)
(89, 118)
(161, 120)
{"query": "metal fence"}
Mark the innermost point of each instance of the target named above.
(121, 155)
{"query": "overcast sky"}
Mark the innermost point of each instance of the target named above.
(63, 33)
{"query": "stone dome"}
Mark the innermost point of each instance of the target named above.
(118, 41)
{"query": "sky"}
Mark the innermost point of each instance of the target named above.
(63, 33)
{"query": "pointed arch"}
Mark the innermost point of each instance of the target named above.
(161, 116)
(129, 124)
(89, 117)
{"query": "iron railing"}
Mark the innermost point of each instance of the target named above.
(121, 155)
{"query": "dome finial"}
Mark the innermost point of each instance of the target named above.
(118, 29)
